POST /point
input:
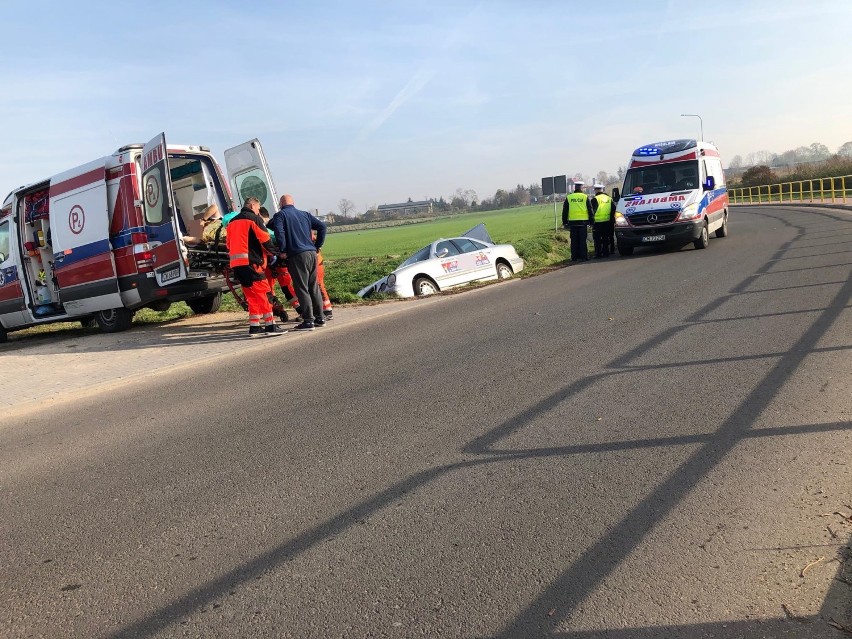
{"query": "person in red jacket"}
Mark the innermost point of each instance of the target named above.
(248, 243)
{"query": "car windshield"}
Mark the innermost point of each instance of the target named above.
(419, 256)
(677, 176)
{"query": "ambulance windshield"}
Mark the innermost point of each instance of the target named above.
(661, 178)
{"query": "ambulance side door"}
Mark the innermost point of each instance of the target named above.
(11, 292)
(248, 174)
(83, 262)
(158, 204)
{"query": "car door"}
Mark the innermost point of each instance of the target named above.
(452, 269)
(477, 258)
(249, 176)
(161, 220)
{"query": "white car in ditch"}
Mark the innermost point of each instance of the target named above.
(447, 263)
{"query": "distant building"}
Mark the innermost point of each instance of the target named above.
(406, 208)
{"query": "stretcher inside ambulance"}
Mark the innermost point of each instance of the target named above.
(674, 193)
(102, 240)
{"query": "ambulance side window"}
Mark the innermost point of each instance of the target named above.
(4, 241)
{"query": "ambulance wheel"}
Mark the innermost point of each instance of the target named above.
(623, 249)
(204, 305)
(88, 322)
(114, 320)
(425, 286)
(722, 231)
(704, 239)
(504, 271)
(3, 336)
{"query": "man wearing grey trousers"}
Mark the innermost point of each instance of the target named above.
(293, 233)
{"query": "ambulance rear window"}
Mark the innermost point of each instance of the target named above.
(4, 240)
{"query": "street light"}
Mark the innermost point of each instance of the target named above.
(693, 115)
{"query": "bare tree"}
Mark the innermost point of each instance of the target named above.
(736, 162)
(345, 207)
(845, 150)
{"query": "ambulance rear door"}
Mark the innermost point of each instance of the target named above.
(249, 175)
(83, 262)
(161, 220)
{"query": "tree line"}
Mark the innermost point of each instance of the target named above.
(803, 163)
(466, 200)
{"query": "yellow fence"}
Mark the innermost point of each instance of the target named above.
(830, 190)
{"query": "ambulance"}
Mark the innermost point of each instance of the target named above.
(674, 194)
(100, 241)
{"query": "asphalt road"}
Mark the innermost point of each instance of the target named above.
(655, 446)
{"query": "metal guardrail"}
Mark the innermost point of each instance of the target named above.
(829, 190)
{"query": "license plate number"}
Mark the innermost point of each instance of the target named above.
(653, 238)
(170, 275)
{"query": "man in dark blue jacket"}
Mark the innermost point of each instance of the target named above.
(293, 233)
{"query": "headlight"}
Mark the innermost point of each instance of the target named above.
(391, 279)
(689, 212)
(620, 220)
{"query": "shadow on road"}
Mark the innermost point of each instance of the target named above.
(559, 600)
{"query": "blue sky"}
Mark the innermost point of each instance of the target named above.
(380, 101)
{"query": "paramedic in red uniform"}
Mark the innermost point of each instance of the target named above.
(248, 242)
(604, 216)
(293, 233)
(576, 216)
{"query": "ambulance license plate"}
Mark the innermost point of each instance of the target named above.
(168, 276)
(653, 238)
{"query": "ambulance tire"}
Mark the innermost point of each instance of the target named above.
(114, 320)
(3, 336)
(703, 240)
(89, 322)
(722, 231)
(624, 249)
(204, 305)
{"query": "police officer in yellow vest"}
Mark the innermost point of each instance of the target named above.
(604, 221)
(576, 215)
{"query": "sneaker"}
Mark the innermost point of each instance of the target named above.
(327, 316)
(256, 331)
(274, 329)
(319, 323)
(304, 326)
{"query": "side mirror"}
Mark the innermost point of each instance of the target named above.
(710, 183)
(443, 252)
(616, 194)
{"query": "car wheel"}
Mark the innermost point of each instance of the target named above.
(114, 320)
(722, 231)
(204, 305)
(425, 286)
(704, 240)
(504, 271)
(623, 249)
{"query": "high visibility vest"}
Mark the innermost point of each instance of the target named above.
(578, 210)
(604, 210)
(239, 242)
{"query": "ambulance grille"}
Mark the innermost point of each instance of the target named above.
(662, 217)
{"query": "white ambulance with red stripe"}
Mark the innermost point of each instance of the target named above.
(674, 194)
(107, 238)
